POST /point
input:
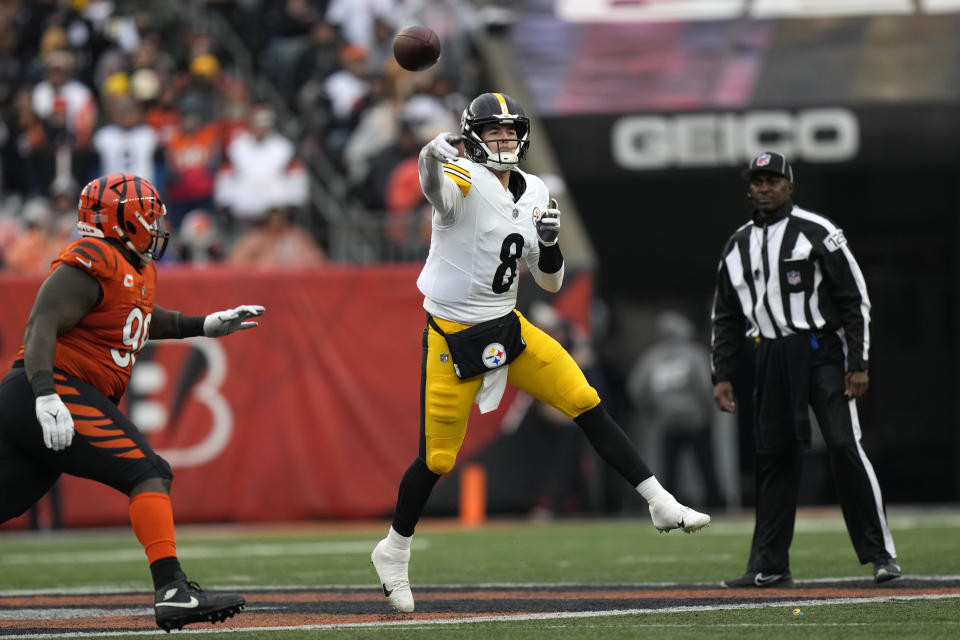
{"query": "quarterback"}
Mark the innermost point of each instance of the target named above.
(488, 218)
(58, 403)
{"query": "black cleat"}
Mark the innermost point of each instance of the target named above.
(885, 570)
(184, 602)
(760, 579)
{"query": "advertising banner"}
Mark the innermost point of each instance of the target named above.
(314, 414)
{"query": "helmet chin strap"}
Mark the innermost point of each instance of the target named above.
(500, 166)
(502, 160)
(145, 258)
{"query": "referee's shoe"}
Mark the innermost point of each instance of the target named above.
(183, 602)
(760, 579)
(886, 570)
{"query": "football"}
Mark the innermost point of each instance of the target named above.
(416, 48)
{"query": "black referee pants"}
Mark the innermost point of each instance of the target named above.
(778, 476)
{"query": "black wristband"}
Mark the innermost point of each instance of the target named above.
(42, 384)
(550, 258)
(190, 325)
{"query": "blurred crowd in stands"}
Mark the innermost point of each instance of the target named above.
(89, 87)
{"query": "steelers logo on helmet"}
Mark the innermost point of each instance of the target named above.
(125, 208)
(495, 108)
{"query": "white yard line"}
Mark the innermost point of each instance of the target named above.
(521, 617)
(198, 551)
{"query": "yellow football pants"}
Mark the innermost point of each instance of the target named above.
(544, 370)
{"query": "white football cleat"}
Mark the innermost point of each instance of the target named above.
(668, 514)
(391, 565)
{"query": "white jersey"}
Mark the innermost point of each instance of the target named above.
(479, 237)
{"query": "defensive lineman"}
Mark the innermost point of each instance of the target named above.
(58, 403)
(488, 217)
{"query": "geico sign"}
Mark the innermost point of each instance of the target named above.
(710, 139)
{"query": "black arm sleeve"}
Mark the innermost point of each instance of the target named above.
(550, 259)
(173, 324)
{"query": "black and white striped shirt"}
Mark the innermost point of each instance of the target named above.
(792, 272)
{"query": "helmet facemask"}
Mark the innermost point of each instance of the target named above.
(159, 237)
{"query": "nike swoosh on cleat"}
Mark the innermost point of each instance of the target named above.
(182, 605)
(385, 591)
(761, 579)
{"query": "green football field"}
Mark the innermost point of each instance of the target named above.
(608, 557)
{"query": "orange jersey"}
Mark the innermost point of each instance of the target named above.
(103, 346)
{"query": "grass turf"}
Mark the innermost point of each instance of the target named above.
(591, 551)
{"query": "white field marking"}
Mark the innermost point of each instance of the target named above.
(199, 552)
(673, 558)
(831, 520)
(57, 613)
(366, 586)
(507, 618)
(720, 625)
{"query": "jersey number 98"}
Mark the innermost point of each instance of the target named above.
(135, 332)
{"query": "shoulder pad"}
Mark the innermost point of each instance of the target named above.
(459, 175)
(93, 255)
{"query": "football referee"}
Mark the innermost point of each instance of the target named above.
(788, 280)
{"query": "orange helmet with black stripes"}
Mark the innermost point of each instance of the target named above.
(127, 208)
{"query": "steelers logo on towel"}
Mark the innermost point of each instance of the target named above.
(494, 355)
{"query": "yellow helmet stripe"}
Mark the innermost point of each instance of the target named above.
(503, 104)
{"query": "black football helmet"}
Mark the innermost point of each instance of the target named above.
(494, 108)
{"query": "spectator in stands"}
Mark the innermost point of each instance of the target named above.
(234, 109)
(408, 215)
(356, 19)
(348, 86)
(452, 21)
(263, 172)
(151, 54)
(128, 145)
(321, 57)
(36, 247)
(197, 240)
(192, 155)
(114, 90)
(290, 39)
(381, 43)
(377, 131)
(277, 242)
(163, 112)
(60, 92)
(36, 141)
(64, 191)
(381, 142)
(203, 85)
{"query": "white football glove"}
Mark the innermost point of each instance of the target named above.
(223, 323)
(548, 224)
(442, 147)
(55, 421)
